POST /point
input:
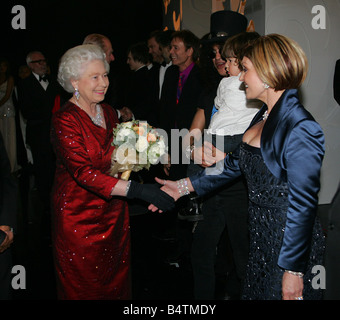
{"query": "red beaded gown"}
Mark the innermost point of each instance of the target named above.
(91, 237)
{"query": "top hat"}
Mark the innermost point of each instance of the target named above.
(225, 24)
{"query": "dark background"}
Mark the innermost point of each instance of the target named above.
(54, 26)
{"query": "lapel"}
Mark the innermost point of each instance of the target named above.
(36, 86)
(282, 119)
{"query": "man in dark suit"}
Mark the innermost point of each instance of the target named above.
(8, 206)
(178, 104)
(180, 92)
(36, 96)
(138, 92)
(161, 40)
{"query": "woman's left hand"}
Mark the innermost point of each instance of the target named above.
(292, 287)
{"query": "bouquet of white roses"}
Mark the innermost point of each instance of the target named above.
(137, 147)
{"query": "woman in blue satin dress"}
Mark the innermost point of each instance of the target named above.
(280, 156)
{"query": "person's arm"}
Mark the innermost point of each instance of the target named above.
(303, 157)
(218, 175)
(205, 182)
(9, 90)
(69, 144)
(199, 120)
(8, 198)
(204, 155)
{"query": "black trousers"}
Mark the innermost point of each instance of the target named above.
(227, 208)
(43, 168)
(6, 265)
(332, 254)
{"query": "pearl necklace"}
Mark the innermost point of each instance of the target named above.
(98, 119)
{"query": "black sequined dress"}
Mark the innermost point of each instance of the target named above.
(268, 203)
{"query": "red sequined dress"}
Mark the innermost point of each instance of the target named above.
(91, 237)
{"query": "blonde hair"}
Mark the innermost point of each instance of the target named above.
(279, 61)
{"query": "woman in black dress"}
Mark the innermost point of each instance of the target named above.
(280, 156)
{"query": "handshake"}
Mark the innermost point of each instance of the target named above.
(162, 195)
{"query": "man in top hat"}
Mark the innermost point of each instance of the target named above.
(224, 222)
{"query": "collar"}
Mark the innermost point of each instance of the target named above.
(38, 76)
(185, 73)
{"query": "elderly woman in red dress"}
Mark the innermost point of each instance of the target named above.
(91, 238)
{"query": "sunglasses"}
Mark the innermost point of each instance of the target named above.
(212, 54)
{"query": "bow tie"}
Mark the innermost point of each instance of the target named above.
(163, 64)
(42, 78)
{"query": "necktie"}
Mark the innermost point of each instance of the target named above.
(179, 87)
(42, 78)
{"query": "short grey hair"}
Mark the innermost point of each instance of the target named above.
(29, 56)
(74, 61)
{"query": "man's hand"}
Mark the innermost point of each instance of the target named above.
(126, 114)
(8, 240)
(207, 155)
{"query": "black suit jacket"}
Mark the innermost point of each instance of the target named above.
(8, 190)
(36, 106)
(138, 94)
(179, 115)
(173, 115)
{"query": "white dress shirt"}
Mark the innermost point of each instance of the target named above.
(44, 84)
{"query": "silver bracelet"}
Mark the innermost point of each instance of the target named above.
(127, 187)
(188, 151)
(182, 186)
(294, 273)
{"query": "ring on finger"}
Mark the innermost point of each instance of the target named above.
(299, 298)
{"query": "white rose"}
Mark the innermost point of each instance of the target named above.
(123, 133)
(126, 154)
(156, 151)
(162, 148)
(142, 144)
(128, 124)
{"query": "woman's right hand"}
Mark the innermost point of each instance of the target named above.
(170, 188)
